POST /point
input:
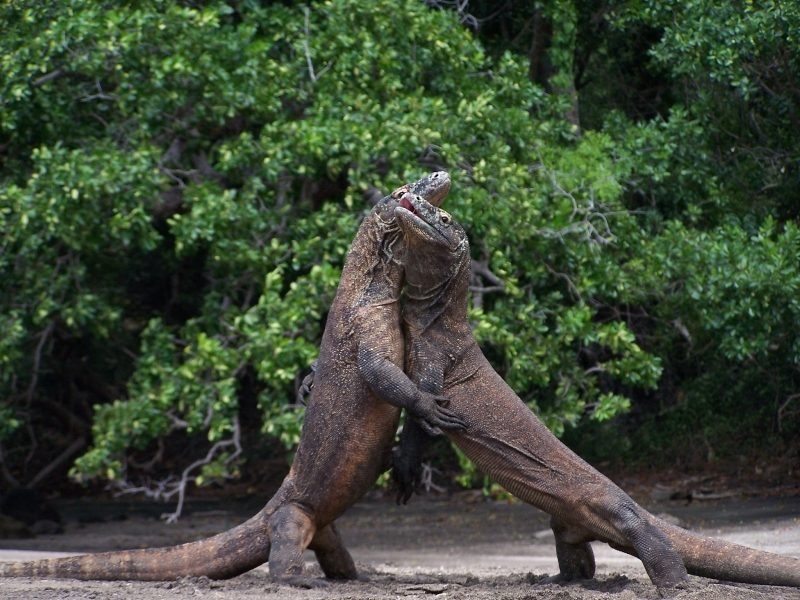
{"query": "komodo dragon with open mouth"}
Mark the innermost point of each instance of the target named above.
(507, 441)
(344, 444)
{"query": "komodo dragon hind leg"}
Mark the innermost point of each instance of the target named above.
(333, 557)
(651, 545)
(291, 532)
(575, 555)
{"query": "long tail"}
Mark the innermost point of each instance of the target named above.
(714, 558)
(224, 555)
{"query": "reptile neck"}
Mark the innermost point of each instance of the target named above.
(442, 303)
(373, 274)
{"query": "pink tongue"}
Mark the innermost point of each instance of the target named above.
(407, 205)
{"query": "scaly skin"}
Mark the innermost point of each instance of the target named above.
(508, 442)
(343, 446)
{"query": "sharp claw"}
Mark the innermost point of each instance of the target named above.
(427, 428)
(434, 431)
(452, 422)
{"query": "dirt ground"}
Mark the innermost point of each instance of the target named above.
(461, 547)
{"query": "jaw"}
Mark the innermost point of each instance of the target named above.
(434, 187)
(418, 232)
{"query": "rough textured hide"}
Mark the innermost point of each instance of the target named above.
(343, 446)
(508, 442)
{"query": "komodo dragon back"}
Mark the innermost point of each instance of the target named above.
(509, 443)
(304, 506)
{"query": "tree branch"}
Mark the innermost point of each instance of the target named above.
(307, 50)
(582, 215)
(481, 273)
(37, 359)
(167, 488)
(12, 481)
(76, 446)
(48, 77)
(783, 410)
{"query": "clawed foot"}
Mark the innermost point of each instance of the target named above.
(406, 474)
(433, 415)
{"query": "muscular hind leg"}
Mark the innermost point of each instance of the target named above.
(575, 555)
(291, 531)
(651, 545)
(333, 557)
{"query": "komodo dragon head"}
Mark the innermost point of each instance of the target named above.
(425, 224)
(436, 245)
(433, 187)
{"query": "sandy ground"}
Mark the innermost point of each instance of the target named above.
(455, 548)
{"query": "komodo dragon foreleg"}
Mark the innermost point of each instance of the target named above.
(377, 369)
(390, 384)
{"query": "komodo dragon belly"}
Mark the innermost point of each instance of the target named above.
(334, 469)
(508, 442)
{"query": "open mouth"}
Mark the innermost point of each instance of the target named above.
(405, 203)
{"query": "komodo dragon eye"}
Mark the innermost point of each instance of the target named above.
(444, 218)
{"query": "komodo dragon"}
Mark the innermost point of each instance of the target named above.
(343, 446)
(508, 442)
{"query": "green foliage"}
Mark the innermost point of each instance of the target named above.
(8, 421)
(180, 184)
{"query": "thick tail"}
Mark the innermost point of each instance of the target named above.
(714, 558)
(224, 555)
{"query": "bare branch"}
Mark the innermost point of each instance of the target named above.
(307, 50)
(426, 479)
(148, 465)
(460, 8)
(678, 324)
(482, 268)
(65, 415)
(167, 488)
(481, 272)
(594, 369)
(76, 446)
(34, 441)
(177, 422)
(570, 284)
(37, 359)
(487, 290)
(234, 441)
(783, 410)
(100, 95)
(584, 214)
(12, 481)
(48, 77)
(156, 490)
